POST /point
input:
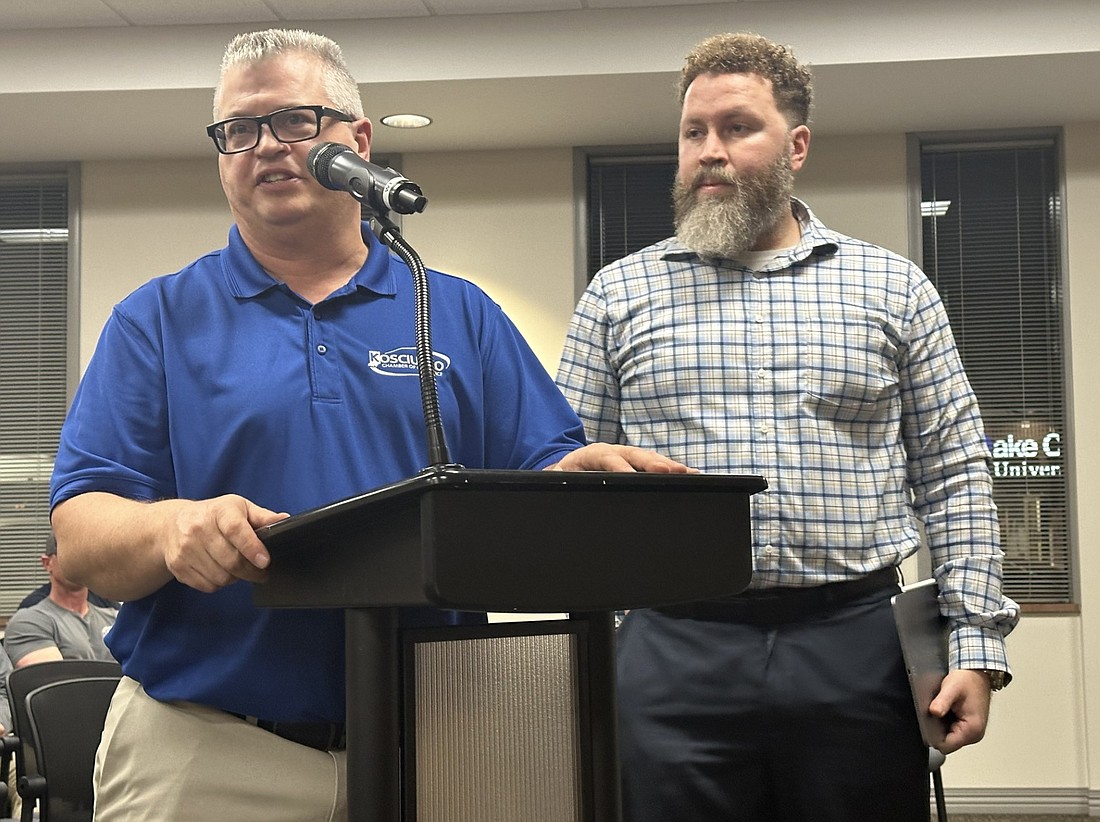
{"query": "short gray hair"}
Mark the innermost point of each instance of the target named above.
(256, 46)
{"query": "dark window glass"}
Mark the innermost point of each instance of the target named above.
(629, 206)
(991, 228)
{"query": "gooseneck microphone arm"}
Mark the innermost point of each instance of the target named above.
(425, 362)
(329, 163)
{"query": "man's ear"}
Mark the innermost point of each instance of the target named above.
(800, 146)
(362, 131)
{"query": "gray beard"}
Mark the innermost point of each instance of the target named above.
(727, 225)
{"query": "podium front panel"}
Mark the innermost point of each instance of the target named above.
(586, 550)
(496, 724)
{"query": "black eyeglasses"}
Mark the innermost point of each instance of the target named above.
(288, 125)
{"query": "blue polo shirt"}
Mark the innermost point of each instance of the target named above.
(218, 379)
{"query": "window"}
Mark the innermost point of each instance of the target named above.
(34, 367)
(991, 242)
(629, 205)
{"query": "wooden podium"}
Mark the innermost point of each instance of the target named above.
(582, 543)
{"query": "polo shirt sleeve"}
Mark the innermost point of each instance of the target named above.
(115, 437)
(527, 423)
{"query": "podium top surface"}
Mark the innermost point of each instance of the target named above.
(489, 540)
(458, 478)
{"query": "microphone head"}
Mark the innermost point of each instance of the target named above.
(319, 162)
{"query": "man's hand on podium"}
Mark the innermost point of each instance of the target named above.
(601, 456)
(205, 544)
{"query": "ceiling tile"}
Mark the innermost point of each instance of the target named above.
(47, 14)
(631, 4)
(442, 7)
(347, 9)
(192, 12)
(50, 14)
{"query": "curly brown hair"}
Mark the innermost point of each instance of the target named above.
(748, 53)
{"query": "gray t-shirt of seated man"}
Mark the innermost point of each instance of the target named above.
(47, 624)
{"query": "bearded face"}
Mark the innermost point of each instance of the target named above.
(730, 223)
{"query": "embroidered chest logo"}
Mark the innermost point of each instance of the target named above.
(401, 362)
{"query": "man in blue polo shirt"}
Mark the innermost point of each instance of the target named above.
(263, 379)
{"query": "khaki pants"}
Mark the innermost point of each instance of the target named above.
(177, 762)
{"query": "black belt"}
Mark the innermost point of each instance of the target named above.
(768, 605)
(322, 736)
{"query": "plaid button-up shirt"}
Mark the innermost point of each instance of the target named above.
(832, 372)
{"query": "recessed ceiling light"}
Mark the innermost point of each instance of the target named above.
(406, 120)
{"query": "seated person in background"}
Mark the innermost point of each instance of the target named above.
(5, 728)
(43, 591)
(64, 625)
(16, 808)
(5, 709)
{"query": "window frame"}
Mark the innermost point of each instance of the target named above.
(20, 559)
(1017, 138)
(655, 153)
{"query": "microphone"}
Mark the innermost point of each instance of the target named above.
(339, 168)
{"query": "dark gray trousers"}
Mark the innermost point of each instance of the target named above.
(770, 721)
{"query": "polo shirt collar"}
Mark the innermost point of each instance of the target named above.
(246, 278)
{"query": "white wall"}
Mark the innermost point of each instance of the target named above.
(1083, 297)
(504, 221)
(141, 220)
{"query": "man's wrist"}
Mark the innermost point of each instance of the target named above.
(997, 679)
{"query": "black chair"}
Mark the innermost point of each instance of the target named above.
(8, 744)
(32, 785)
(66, 722)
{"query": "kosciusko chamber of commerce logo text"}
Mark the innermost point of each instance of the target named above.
(401, 362)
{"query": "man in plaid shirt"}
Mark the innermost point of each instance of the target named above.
(758, 341)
